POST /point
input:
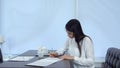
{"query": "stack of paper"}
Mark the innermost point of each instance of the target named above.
(22, 58)
(44, 62)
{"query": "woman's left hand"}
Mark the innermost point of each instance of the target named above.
(66, 57)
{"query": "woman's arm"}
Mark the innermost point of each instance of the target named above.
(61, 51)
(64, 49)
(88, 60)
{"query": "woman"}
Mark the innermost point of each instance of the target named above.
(79, 47)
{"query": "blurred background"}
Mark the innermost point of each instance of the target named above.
(29, 24)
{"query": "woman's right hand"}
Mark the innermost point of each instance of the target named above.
(53, 54)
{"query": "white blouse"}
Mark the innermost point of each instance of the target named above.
(86, 60)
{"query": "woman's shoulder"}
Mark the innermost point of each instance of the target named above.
(70, 38)
(87, 38)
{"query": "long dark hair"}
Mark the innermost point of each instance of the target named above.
(74, 26)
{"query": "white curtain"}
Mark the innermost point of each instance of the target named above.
(28, 24)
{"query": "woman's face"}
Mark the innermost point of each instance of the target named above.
(70, 34)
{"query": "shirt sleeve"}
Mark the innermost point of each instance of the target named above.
(64, 49)
(88, 60)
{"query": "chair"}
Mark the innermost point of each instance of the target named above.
(112, 59)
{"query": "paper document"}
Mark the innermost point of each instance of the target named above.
(22, 58)
(44, 62)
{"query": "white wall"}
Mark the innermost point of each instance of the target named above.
(28, 24)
